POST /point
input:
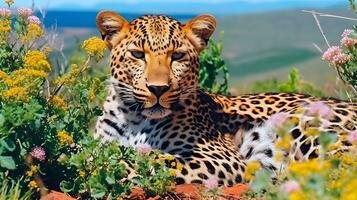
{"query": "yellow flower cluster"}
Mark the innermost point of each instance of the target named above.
(94, 46)
(82, 173)
(9, 2)
(64, 138)
(250, 170)
(349, 191)
(32, 185)
(69, 77)
(91, 95)
(5, 26)
(30, 73)
(298, 195)
(58, 102)
(307, 168)
(36, 60)
(284, 142)
(32, 171)
(16, 94)
(34, 31)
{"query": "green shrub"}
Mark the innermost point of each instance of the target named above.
(213, 68)
(293, 85)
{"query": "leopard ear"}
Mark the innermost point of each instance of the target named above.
(112, 26)
(199, 30)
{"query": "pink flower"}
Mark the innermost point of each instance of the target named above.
(348, 42)
(4, 12)
(352, 137)
(335, 56)
(34, 20)
(279, 119)
(291, 186)
(38, 153)
(347, 32)
(25, 12)
(211, 184)
(144, 148)
(319, 109)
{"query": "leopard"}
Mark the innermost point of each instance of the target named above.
(154, 98)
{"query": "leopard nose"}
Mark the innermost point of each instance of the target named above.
(158, 90)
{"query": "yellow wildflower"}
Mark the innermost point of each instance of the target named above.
(34, 31)
(172, 172)
(284, 142)
(3, 75)
(278, 156)
(91, 95)
(308, 167)
(172, 186)
(32, 185)
(30, 72)
(47, 50)
(179, 166)
(298, 196)
(82, 173)
(58, 102)
(312, 132)
(15, 82)
(69, 77)
(64, 138)
(9, 2)
(5, 26)
(349, 191)
(94, 47)
(250, 170)
(32, 171)
(16, 94)
(36, 60)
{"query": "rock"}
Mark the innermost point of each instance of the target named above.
(235, 192)
(188, 192)
(53, 195)
(137, 194)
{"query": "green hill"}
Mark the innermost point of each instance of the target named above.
(259, 46)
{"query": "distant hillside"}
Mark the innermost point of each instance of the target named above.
(260, 43)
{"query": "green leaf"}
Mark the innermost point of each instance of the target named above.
(9, 145)
(110, 180)
(98, 192)
(261, 181)
(66, 186)
(2, 120)
(7, 162)
(327, 138)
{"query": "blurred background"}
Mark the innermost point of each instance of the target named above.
(263, 39)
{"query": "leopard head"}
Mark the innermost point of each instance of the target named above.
(154, 59)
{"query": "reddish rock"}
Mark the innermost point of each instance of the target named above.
(137, 194)
(188, 191)
(235, 192)
(53, 195)
(154, 198)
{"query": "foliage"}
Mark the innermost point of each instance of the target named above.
(101, 171)
(12, 191)
(37, 122)
(344, 57)
(212, 66)
(293, 85)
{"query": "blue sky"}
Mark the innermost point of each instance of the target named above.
(179, 6)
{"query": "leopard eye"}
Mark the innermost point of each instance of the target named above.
(177, 56)
(138, 54)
